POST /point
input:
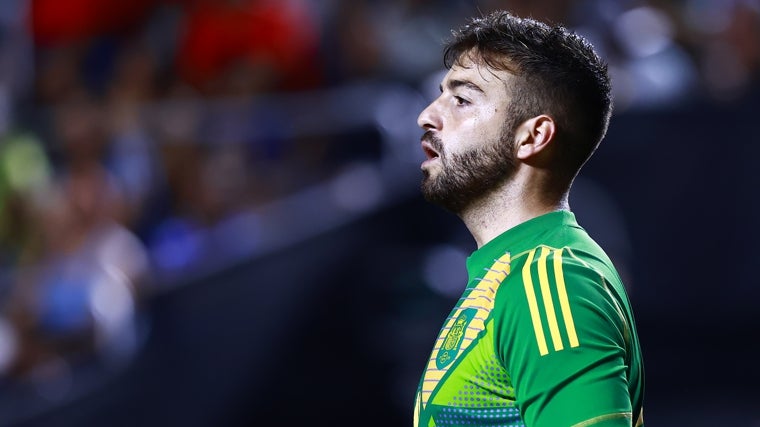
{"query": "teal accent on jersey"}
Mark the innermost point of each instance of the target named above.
(551, 342)
(454, 337)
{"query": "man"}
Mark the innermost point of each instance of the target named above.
(544, 334)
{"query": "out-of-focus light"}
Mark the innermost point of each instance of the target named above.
(176, 245)
(111, 300)
(644, 31)
(395, 114)
(238, 235)
(112, 307)
(656, 81)
(359, 188)
(25, 163)
(444, 270)
(663, 78)
(122, 250)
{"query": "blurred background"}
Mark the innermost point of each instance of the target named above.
(209, 209)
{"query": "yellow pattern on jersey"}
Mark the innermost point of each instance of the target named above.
(480, 298)
(546, 303)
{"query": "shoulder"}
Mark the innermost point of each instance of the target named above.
(556, 265)
(553, 289)
(573, 270)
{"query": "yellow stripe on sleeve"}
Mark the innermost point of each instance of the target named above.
(551, 316)
(533, 305)
(564, 302)
(602, 418)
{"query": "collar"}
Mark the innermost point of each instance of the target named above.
(520, 238)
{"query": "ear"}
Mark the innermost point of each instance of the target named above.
(534, 136)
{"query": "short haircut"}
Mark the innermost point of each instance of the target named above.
(558, 73)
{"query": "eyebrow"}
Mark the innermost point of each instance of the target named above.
(453, 84)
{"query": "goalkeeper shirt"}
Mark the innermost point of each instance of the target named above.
(543, 336)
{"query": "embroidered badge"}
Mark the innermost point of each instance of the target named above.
(453, 340)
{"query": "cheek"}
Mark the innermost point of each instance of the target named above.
(479, 130)
(470, 127)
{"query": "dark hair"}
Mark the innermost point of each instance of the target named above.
(557, 72)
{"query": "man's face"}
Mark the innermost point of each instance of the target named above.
(469, 136)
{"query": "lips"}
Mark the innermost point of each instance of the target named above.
(429, 144)
(429, 151)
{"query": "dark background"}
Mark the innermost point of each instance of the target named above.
(302, 294)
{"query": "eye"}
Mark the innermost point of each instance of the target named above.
(461, 101)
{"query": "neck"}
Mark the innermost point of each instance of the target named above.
(507, 207)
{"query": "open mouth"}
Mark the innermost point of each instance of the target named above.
(429, 151)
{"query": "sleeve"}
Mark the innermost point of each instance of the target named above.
(563, 339)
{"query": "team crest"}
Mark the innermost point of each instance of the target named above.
(453, 340)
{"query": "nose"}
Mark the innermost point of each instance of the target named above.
(428, 118)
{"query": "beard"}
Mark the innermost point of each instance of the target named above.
(467, 177)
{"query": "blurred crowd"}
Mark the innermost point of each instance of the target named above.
(128, 128)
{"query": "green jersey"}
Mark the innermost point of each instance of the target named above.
(542, 336)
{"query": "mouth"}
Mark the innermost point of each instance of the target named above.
(429, 144)
(429, 151)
